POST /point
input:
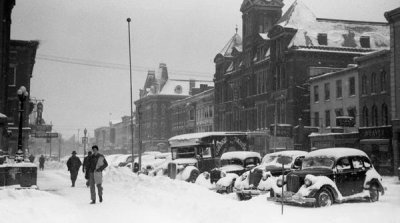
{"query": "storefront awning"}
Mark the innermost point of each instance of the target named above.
(375, 141)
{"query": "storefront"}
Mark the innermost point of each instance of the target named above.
(377, 143)
(329, 140)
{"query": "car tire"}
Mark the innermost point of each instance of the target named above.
(323, 198)
(229, 189)
(193, 176)
(271, 193)
(374, 193)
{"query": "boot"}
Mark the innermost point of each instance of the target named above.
(100, 198)
(93, 202)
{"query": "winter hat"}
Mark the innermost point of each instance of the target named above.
(74, 152)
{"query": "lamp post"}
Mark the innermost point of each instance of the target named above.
(84, 142)
(22, 96)
(130, 84)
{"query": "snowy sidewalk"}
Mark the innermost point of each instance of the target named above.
(129, 198)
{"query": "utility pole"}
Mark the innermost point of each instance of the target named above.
(59, 147)
(84, 142)
(77, 146)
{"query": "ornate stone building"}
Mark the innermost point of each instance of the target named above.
(267, 73)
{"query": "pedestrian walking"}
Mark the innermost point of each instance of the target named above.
(41, 162)
(85, 167)
(73, 164)
(97, 164)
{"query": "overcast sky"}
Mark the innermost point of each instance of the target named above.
(184, 34)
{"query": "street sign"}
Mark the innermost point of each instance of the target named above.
(345, 121)
(282, 130)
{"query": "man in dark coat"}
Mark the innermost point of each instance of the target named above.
(85, 167)
(41, 162)
(31, 158)
(97, 163)
(73, 164)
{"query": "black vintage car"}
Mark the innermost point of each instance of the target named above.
(332, 175)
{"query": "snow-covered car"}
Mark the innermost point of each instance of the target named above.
(233, 164)
(199, 152)
(151, 162)
(262, 178)
(332, 175)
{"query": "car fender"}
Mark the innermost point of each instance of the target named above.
(373, 177)
(227, 180)
(186, 172)
(241, 183)
(319, 182)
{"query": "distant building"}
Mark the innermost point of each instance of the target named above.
(152, 109)
(194, 113)
(268, 71)
(21, 63)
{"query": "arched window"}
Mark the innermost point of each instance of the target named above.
(374, 116)
(385, 117)
(373, 83)
(365, 116)
(364, 84)
(383, 80)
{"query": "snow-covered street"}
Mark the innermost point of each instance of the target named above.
(129, 198)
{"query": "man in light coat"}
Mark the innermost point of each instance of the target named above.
(97, 163)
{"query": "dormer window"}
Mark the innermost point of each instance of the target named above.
(323, 39)
(365, 42)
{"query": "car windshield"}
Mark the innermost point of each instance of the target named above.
(273, 160)
(183, 152)
(232, 162)
(317, 162)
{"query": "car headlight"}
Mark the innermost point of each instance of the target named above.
(206, 175)
(307, 182)
(279, 182)
(223, 174)
(244, 176)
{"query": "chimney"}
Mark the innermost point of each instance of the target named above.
(163, 72)
(192, 84)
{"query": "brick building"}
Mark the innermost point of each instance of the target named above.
(393, 18)
(267, 72)
(21, 62)
(194, 113)
(152, 109)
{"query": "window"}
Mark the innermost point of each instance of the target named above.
(374, 116)
(191, 114)
(352, 112)
(373, 83)
(343, 164)
(316, 119)
(338, 88)
(365, 42)
(339, 112)
(322, 39)
(316, 93)
(385, 118)
(352, 86)
(383, 81)
(357, 163)
(365, 116)
(327, 118)
(12, 78)
(327, 91)
(364, 84)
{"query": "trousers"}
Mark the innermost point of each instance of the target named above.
(93, 187)
(74, 175)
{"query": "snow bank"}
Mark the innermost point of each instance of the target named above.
(227, 180)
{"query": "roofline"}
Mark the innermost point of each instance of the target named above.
(352, 21)
(390, 14)
(322, 76)
(372, 55)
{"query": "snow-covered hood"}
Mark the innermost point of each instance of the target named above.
(185, 161)
(231, 168)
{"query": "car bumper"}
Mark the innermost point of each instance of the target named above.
(290, 197)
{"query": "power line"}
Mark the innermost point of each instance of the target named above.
(102, 64)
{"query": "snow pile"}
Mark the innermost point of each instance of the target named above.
(204, 180)
(227, 180)
(22, 206)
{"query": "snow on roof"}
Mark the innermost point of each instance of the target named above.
(3, 115)
(193, 138)
(264, 36)
(242, 155)
(292, 153)
(337, 152)
(181, 87)
(234, 42)
(340, 33)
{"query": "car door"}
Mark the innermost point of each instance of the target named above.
(206, 161)
(344, 176)
(358, 175)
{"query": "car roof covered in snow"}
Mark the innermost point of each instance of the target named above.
(287, 153)
(242, 155)
(337, 152)
(194, 138)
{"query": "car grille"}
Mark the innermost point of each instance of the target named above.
(172, 170)
(293, 183)
(215, 175)
(255, 177)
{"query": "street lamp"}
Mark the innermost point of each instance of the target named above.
(130, 84)
(84, 142)
(22, 96)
